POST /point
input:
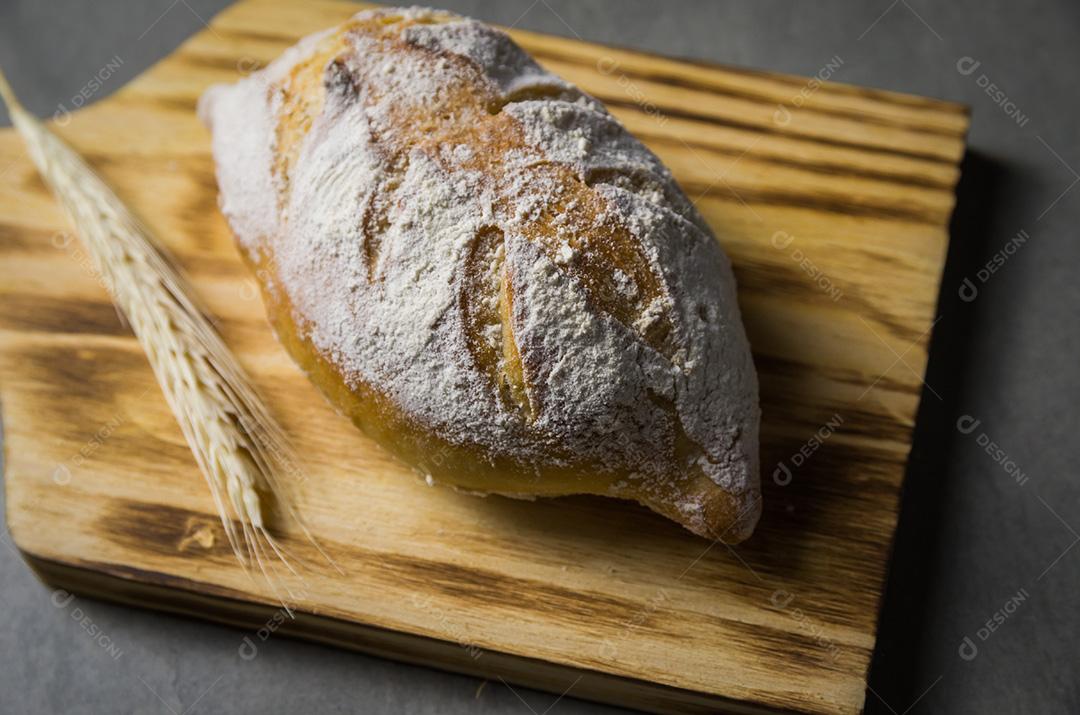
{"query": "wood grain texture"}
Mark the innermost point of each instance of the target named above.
(835, 216)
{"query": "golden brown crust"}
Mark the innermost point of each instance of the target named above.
(575, 217)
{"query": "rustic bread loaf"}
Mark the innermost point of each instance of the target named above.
(480, 267)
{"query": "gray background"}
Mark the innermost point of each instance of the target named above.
(970, 537)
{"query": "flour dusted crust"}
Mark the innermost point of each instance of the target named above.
(487, 273)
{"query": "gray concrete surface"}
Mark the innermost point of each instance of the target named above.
(971, 538)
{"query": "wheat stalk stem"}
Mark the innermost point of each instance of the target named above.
(238, 446)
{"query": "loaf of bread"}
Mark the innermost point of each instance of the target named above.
(487, 273)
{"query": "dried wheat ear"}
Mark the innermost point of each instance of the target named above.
(240, 449)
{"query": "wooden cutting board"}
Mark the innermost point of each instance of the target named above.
(833, 202)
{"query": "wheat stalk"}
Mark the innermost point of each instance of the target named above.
(239, 447)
